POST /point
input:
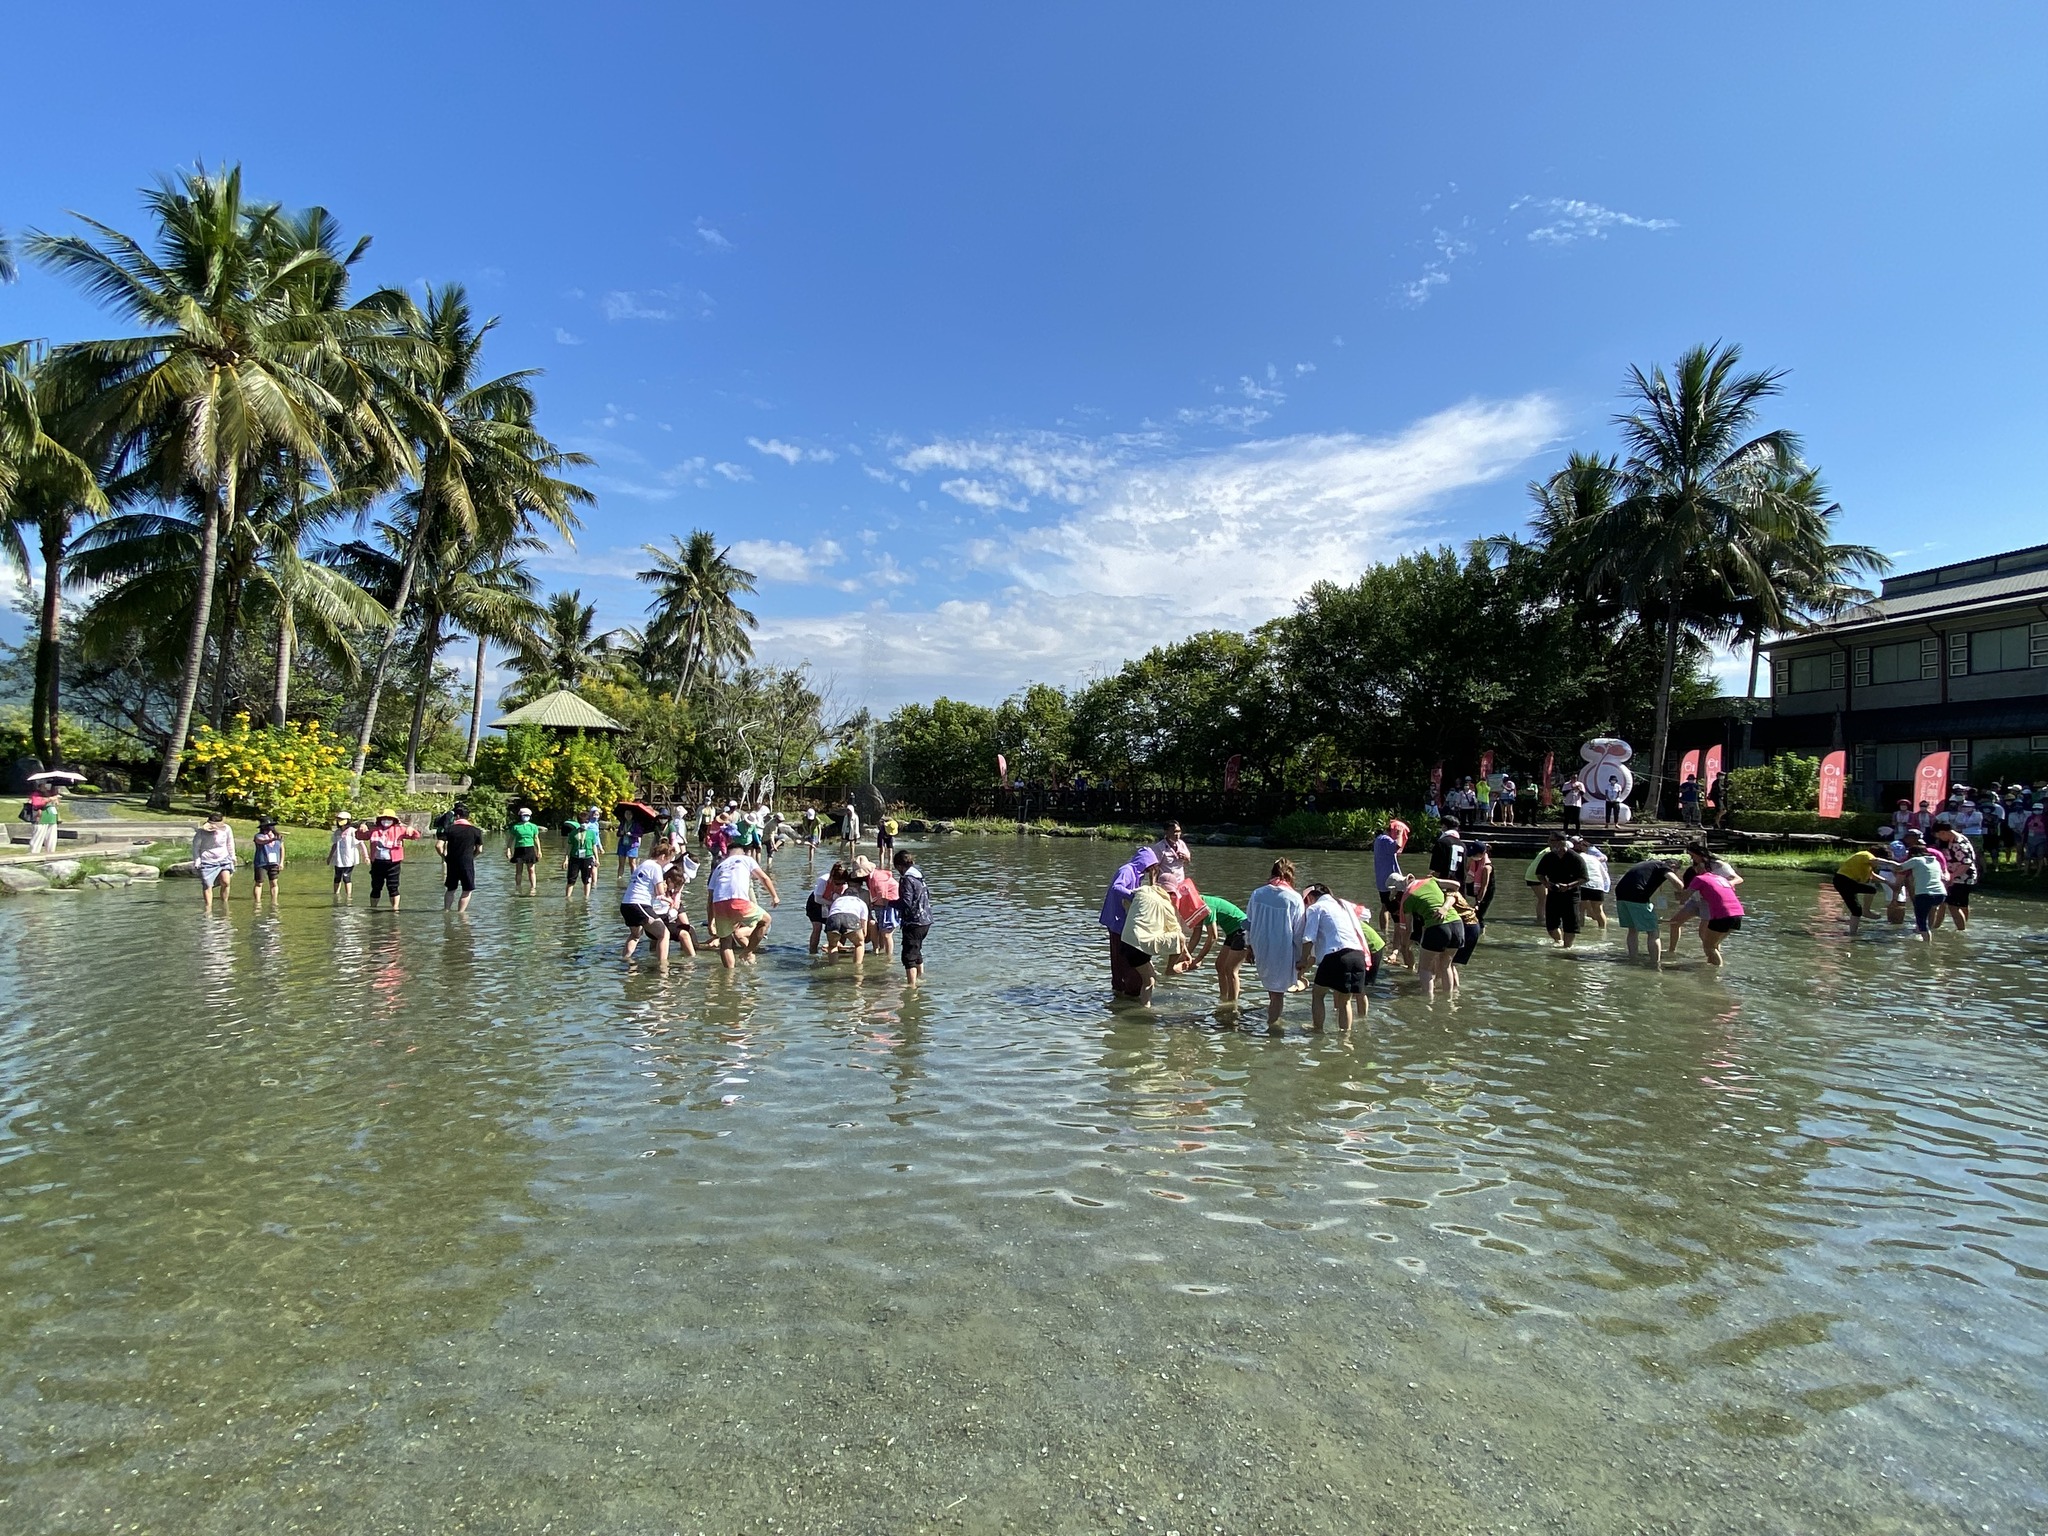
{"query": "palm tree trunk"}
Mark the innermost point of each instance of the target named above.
(430, 646)
(281, 681)
(1663, 728)
(230, 623)
(195, 643)
(49, 743)
(476, 704)
(1756, 650)
(385, 653)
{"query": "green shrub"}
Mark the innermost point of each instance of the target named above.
(1346, 829)
(1788, 782)
(384, 789)
(1858, 825)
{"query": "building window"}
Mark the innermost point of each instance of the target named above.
(1812, 674)
(1898, 663)
(1997, 650)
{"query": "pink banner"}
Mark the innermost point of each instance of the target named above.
(1002, 769)
(1930, 781)
(1833, 769)
(1689, 766)
(1486, 765)
(1549, 767)
(1711, 769)
(1232, 767)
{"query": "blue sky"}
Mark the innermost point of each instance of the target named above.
(1005, 344)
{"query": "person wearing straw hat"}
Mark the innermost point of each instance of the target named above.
(388, 837)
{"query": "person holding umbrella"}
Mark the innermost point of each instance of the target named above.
(44, 790)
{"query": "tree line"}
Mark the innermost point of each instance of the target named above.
(271, 494)
(1598, 619)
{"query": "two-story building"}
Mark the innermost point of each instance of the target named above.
(1952, 658)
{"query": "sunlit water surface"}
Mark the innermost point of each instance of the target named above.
(342, 1221)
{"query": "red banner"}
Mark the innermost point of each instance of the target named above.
(1833, 769)
(1549, 767)
(1711, 769)
(1689, 766)
(1486, 765)
(1002, 769)
(1232, 767)
(1930, 781)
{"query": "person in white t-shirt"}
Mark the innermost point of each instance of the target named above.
(1599, 881)
(344, 852)
(736, 920)
(639, 904)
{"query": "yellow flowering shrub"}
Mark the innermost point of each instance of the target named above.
(297, 773)
(563, 777)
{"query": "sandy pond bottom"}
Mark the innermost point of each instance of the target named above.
(352, 1222)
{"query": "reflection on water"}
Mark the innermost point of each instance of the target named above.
(350, 1220)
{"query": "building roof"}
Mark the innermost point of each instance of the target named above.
(2020, 575)
(560, 711)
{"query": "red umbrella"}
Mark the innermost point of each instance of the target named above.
(645, 817)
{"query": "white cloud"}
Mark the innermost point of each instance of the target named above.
(1436, 272)
(1301, 368)
(1153, 548)
(712, 236)
(876, 472)
(622, 305)
(1049, 465)
(620, 563)
(1237, 418)
(980, 493)
(780, 560)
(1572, 219)
(563, 338)
(790, 453)
(731, 471)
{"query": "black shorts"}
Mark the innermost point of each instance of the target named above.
(1561, 912)
(384, 875)
(581, 869)
(266, 870)
(1236, 941)
(525, 855)
(633, 915)
(1390, 901)
(1343, 970)
(812, 910)
(1851, 891)
(344, 874)
(1959, 897)
(1723, 924)
(678, 925)
(1592, 898)
(912, 944)
(884, 842)
(1134, 957)
(1440, 937)
(1472, 932)
(463, 875)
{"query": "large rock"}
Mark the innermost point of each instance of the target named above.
(106, 881)
(184, 869)
(61, 869)
(19, 882)
(136, 871)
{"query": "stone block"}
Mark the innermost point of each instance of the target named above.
(19, 882)
(61, 869)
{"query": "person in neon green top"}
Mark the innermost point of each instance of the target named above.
(522, 847)
(1221, 927)
(584, 841)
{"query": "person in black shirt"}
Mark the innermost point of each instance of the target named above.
(1447, 857)
(1561, 872)
(458, 845)
(1634, 896)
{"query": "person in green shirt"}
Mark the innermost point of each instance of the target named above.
(1221, 927)
(1433, 918)
(522, 847)
(584, 841)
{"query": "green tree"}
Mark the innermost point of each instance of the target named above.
(695, 615)
(485, 472)
(563, 648)
(240, 357)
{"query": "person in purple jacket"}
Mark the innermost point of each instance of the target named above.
(1125, 959)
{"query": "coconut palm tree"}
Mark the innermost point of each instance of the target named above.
(46, 485)
(565, 649)
(696, 609)
(496, 607)
(1686, 535)
(241, 355)
(484, 471)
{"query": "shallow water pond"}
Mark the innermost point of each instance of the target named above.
(353, 1221)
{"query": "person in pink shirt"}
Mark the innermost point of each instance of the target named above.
(387, 841)
(1710, 898)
